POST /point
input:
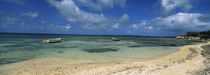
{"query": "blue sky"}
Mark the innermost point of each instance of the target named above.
(110, 17)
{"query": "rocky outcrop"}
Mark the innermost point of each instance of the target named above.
(206, 54)
(198, 36)
(189, 38)
(180, 37)
(192, 38)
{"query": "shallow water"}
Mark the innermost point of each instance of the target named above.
(20, 47)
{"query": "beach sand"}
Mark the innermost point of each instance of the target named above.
(185, 61)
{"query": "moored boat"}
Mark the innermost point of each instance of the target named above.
(115, 39)
(56, 40)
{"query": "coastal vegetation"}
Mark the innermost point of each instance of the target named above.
(205, 35)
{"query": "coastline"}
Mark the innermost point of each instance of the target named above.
(185, 61)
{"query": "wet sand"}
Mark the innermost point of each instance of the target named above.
(185, 61)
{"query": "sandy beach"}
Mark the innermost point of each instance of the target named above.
(185, 61)
(104, 37)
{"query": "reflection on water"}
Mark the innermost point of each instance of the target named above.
(20, 47)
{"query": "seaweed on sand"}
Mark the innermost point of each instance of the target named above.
(192, 55)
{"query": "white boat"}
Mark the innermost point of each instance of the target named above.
(115, 39)
(56, 40)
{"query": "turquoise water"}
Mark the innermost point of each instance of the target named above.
(20, 47)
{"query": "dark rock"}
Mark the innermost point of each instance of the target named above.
(99, 50)
(3, 51)
(60, 51)
(74, 47)
(134, 46)
(172, 45)
(206, 55)
(67, 47)
(22, 46)
(206, 47)
(16, 45)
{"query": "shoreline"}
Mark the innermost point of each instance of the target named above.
(206, 54)
(184, 61)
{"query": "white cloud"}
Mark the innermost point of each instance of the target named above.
(67, 27)
(124, 18)
(183, 22)
(170, 5)
(8, 19)
(64, 28)
(101, 4)
(180, 22)
(149, 28)
(115, 26)
(134, 26)
(31, 14)
(71, 11)
(49, 26)
(74, 14)
(143, 25)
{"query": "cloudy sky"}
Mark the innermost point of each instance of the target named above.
(105, 17)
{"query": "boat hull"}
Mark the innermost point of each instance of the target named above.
(57, 40)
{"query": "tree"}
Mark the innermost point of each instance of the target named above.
(193, 34)
(205, 34)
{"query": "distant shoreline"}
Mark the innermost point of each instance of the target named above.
(85, 34)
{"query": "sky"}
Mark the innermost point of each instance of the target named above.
(105, 17)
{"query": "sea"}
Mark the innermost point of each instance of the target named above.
(16, 48)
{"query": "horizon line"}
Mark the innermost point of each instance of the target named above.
(82, 34)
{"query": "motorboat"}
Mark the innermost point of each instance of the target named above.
(115, 39)
(56, 40)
